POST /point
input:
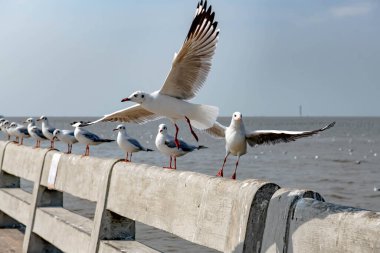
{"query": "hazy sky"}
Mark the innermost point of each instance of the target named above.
(80, 58)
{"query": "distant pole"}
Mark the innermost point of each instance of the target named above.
(300, 109)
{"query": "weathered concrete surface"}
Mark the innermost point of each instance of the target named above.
(3, 145)
(23, 161)
(80, 176)
(124, 246)
(15, 202)
(205, 210)
(323, 227)
(68, 231)
(281, 206)
(10, 240)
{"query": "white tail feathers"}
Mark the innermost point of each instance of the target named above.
(203, 116)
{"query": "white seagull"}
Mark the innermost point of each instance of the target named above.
(19, 131)
(128, 144)
(4, 127)
(35, 132)
(237, 137)
(67, 136)
(85, 137)
(47, 130)
(165, 144)
(189, 71)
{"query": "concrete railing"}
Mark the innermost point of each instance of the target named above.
(222, 214)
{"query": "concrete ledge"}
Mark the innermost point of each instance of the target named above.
(323, 227)
(124, 246)
(23, 161)
(79, 176)
(205, 210)
(281, 206)
(68, 231)
(15, 203)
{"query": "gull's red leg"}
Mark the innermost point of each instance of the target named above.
(68, 149)
(220, 172)
(175, 163)
(191, 128)
(170, 164)
(237, 163)
(130, 157)
(176, 135)
(126, 158)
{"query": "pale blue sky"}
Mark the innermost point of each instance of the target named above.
(63, 58)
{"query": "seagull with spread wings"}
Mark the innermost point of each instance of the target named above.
(237, 137)
(189, 71)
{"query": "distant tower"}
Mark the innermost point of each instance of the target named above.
(300, 109)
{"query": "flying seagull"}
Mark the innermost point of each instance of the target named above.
(166, 145)
(236, 137)
(128, 144)
(189, 71)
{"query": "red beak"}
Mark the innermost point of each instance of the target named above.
(125, 99)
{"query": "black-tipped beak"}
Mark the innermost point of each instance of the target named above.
(38, 119)
(125, 99)
(115, 129)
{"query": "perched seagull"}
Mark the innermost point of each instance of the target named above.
(127, 144)
(85, 137)
(35, 132)
(47, 130)
(67, 136)
(165, 144)
(19, 131)
(189, 71)
(4, 128)
(237, 137)
(12, 131)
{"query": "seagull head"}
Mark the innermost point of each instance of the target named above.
(43, 119)
(162, 129)
(29, 120)
(237, 116)
(78, 124)
(56, 133)
(119, 128)
(5, 123)
(13, 125)
(137, 97)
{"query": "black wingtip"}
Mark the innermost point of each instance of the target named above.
(149, 150)
(201, 147)
(329, 126)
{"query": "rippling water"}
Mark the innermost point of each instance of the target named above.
(342, 163)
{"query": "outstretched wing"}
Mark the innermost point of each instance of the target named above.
(191, 65)
(277, 136)
(135, 114)
(217, 130)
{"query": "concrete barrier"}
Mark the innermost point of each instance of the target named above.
(222, 214)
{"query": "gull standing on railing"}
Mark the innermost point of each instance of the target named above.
(189, 71)
(236, 137)
(165, 144)
(47, 130)
(4, 128)
(67, 136)
(20, 132)
(128, 144)
(35, 132)
(85, 137)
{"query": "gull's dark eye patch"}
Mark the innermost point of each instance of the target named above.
(142, 96)
(135, 95)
